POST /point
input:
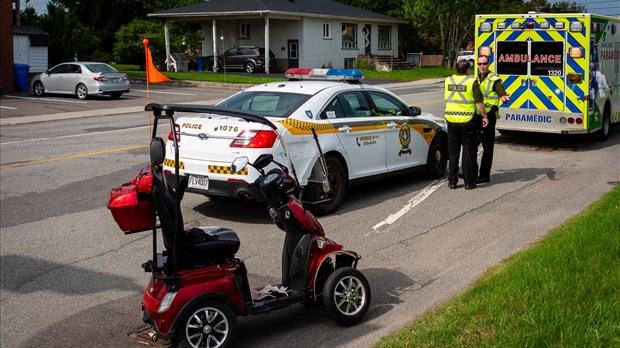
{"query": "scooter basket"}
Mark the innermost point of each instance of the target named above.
(131, 204)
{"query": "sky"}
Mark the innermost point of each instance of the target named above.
(602, 7)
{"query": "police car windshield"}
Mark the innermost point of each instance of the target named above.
(275, 104)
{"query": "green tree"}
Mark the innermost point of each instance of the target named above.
(69, 39)
(558, 7)
(129, 48)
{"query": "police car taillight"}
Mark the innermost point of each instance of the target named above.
(178, 131)
(255, 139)
(324, 74)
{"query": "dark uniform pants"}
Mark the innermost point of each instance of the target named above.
(487, 139)
(463, 135)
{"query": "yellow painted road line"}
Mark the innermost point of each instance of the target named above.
(73, 156)
(430, 102)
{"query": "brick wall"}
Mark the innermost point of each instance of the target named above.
(6, 42)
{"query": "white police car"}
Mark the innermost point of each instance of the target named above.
(364, 131)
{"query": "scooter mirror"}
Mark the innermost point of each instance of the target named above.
(239, 163)
(263, 160)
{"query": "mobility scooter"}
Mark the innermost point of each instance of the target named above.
(198, 286)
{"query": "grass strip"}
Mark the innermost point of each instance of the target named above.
(562, 292)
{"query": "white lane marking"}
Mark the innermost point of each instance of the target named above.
(7, 107)
(160, 92)
(72, 135)
(419, 198)
(47, 99)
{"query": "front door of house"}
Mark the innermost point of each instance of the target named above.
(367, 45)
(293, 53)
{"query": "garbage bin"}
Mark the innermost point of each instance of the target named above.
(20, 72)
(199, 64)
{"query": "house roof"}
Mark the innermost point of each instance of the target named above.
(37, 36)
(277, 8)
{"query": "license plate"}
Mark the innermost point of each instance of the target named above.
(115, 80)
(198, 182)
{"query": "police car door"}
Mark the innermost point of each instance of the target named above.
(405, 147)
(362, 135)
(532, 66)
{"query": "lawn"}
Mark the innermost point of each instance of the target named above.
(562, 292)
(399, 75)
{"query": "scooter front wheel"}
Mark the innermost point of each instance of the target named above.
(346, 296)
(210, 324)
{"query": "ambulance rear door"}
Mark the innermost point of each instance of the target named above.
(532, 65)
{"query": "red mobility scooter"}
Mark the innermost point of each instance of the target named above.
(198, 285)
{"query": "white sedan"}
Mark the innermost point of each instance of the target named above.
(81, 79)
(365, 132)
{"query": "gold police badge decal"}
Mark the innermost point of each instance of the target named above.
(405, 139)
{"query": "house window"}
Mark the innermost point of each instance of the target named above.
(327, 30)
(349, 63)
(244, 31)
(385, 37)
(349, 36)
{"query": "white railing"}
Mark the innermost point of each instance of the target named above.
(349, 45)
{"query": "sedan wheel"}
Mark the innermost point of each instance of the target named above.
(81, 91)
(250, 67)
(38, 89)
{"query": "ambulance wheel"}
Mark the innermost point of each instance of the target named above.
(603, 134)
(337, 177)
(346, 296)
(209, 324)
(437, 158)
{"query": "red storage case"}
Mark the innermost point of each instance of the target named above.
(131, 204)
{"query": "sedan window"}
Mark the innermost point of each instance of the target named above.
(265, 103)
(356, 102)
(386, 105)
(60, 69)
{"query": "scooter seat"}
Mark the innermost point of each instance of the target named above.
(212, 242)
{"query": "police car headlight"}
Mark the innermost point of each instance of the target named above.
(166, 302)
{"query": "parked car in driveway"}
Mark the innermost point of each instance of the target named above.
(82, 79)
(365, 131)
(248, 58)
(467, 55)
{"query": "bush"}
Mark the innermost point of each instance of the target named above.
(365, 63)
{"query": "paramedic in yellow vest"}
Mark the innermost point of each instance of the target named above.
(463, 96)
(493, 92)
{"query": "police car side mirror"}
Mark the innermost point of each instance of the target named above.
(415, 111)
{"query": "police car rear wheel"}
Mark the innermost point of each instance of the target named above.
(337, 177)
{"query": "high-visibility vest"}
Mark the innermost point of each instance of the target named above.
(459, 96)
(488, 92)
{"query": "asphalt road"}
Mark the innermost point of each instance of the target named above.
(70, 278)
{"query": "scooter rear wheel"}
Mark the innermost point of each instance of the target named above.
(210, 324)
(346, 296)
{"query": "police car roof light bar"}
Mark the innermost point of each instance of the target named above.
(324, 74)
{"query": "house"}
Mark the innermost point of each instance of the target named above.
(30, 46)
(301, 33)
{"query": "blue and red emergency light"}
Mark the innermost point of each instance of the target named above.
(323, 74)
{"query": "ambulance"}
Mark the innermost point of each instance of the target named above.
(561, 70)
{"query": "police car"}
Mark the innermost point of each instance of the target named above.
(365, 132)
